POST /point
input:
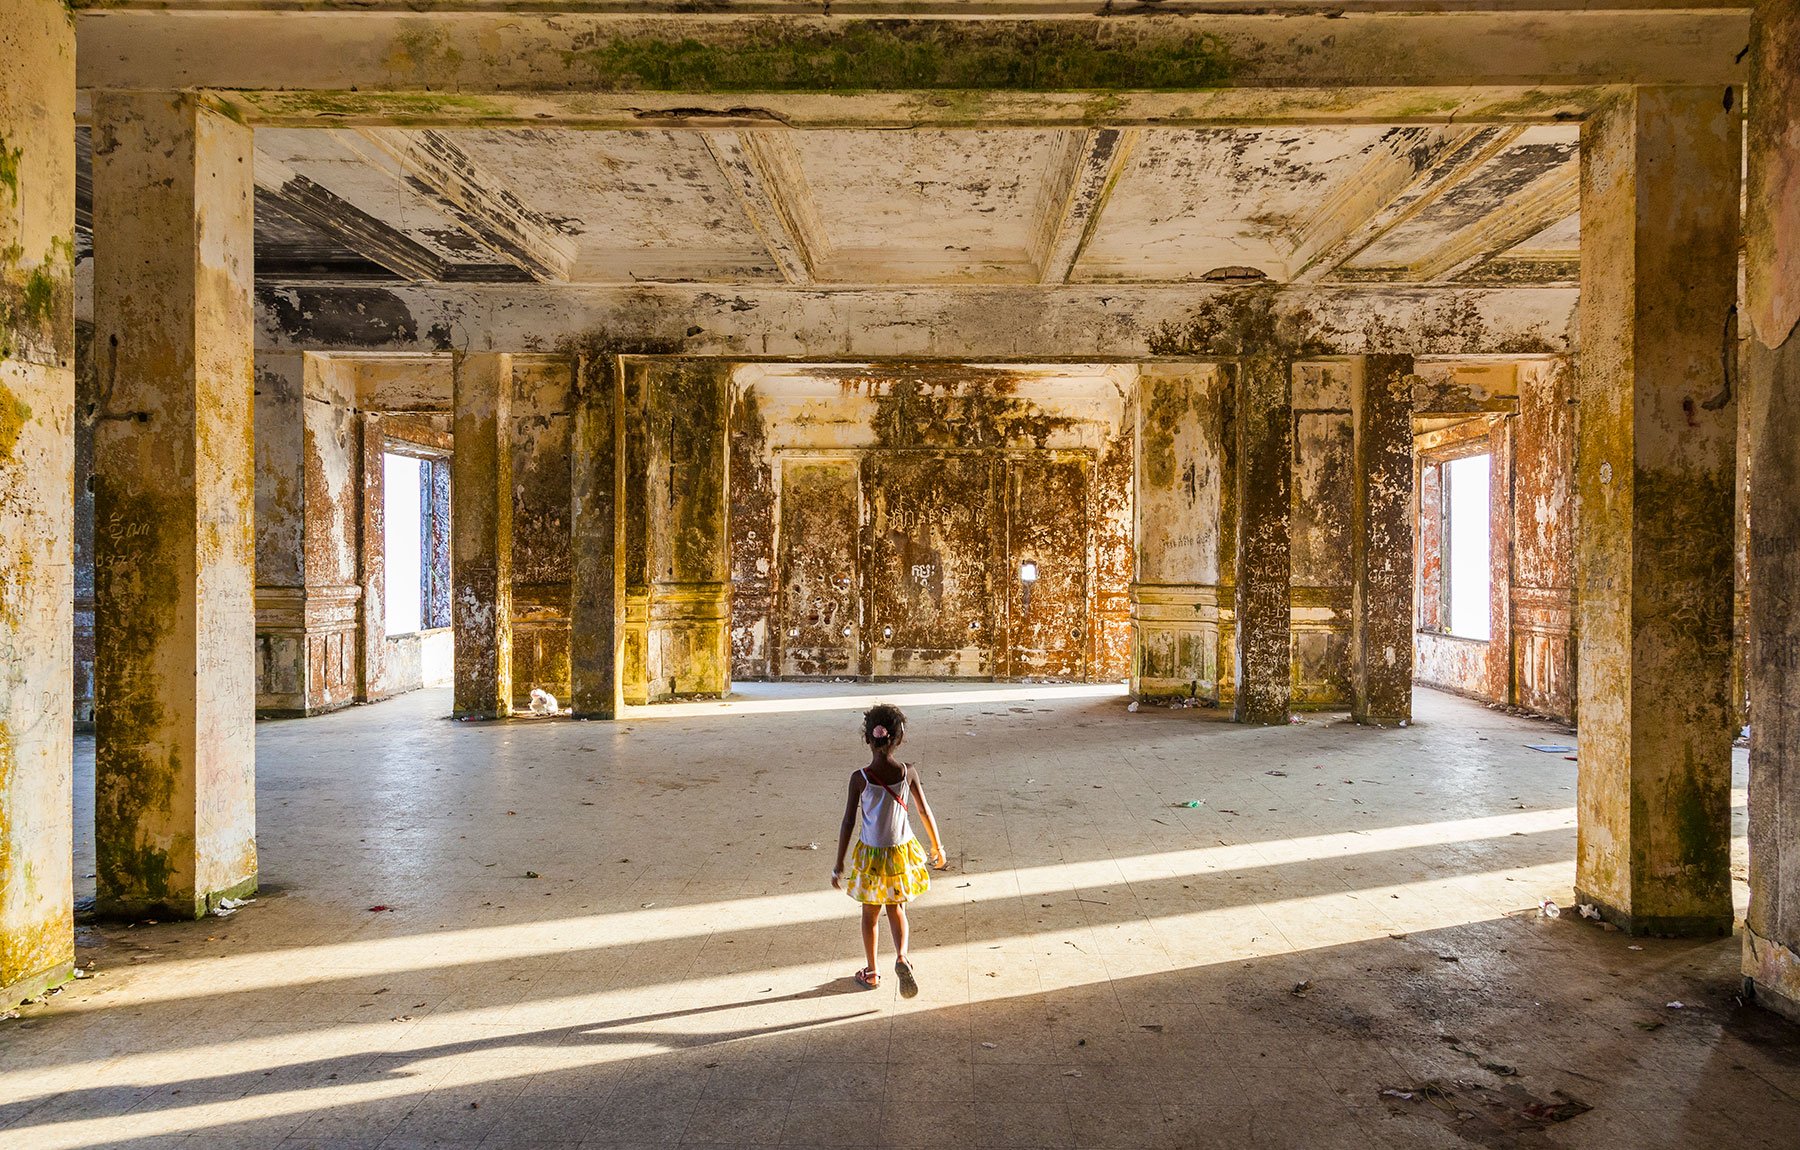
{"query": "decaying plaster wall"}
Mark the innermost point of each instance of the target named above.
(884, 512)
(543, 392)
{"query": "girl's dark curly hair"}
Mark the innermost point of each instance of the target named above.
(883, 724)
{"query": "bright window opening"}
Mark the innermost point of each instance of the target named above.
(1468, 538)
(403, 484)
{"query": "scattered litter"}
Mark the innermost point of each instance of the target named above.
(1589, 910)
(1398, 937)
(1302, 988)
(81, 974)
(1550, 748)
(1190, 804)
(646, 905)
(474, 1106)
(1676, 1005)
(804, 847)
(379, 908)
(1572, 758)
(1549, 909)
(532, 874)
(1072, 1074)
(989, 1045)
(543, 702)
(1403, 1095)
(1296, 721)
(1448, 958)
(1634, 946)
(401, 1018)
(1277, 774)
(227, 907)
(1152, 1027)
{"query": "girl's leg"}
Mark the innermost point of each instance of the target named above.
(897, 924)
(871, 917)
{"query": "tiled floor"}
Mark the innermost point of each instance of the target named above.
(1349, 912)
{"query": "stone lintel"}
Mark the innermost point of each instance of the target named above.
(1115, 322)
(452, 57)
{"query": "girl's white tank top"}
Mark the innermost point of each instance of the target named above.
(883, 813)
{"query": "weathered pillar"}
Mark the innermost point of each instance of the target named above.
(597, 537)
(481, 534)
(308, 465)
(37, 520)
(1772, 388)
(1659, 232)
(1381, 541)
(1263, 579)
(689, 553)
(1177, 505)
(174, 628)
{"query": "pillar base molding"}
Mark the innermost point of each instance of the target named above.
(167, 909)
(1175, 628)
(306, 649)
(34, 985)
(1775, 972)
(636, 671)
(1660, 925)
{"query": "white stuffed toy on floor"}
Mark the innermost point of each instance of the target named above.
(542, 702)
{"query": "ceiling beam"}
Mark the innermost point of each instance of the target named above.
(479, 202)
(1445, 170)
(765, 199)
(1086, 184)
(454, 56)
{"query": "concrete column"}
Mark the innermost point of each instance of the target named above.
(1381, 542)
(174, 628)
(1659, 234)
(37, 515)
(481, 534)
(1177, 505)
(597, 535)
(688, 547)
(1772, 389)
(371, 562)
(1265, 438)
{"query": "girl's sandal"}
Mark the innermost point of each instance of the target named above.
(909, 986)
(867, 978)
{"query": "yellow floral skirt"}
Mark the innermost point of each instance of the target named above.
(885, 876)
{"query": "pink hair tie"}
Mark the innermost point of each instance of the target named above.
(879, 732)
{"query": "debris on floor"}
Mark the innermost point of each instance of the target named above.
(543, 702)
(1588, 910)
(1491, 1116)
(1190, 804)
(1302, 988)
(1549, 748)
(803, 846)
(1549, 909)
(226, 907)
(379, 909)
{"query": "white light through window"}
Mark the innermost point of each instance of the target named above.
(401, 536)
(1467, 545)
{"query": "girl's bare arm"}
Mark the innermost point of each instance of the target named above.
(938, 858)
(844, 828)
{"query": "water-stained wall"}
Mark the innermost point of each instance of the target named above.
(542, 393)
(1319, 528)
(931, 521)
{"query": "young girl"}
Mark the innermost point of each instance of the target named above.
(887, 868)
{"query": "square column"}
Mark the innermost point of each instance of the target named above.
(688, 549)
(597, 539)
(1381, 542)
(37, 511)
(1657, 437)
(481, 521)
(174, 490)
(1265, 451)
(1772, 394)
